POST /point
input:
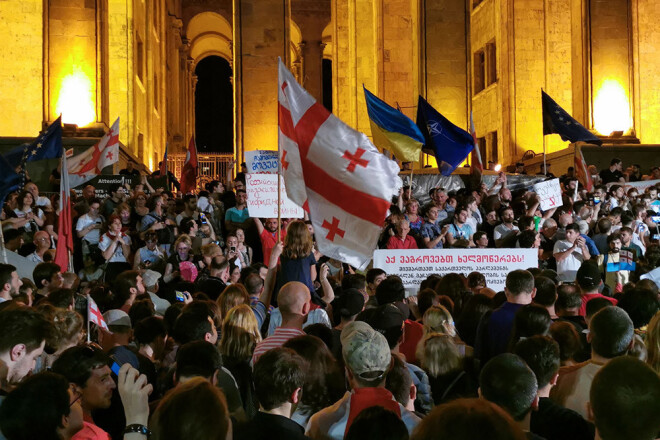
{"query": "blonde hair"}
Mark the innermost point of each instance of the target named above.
(233, 295)
(183, 238)
(653, 342)
(211, 250)
(439, 354)
(410, 203)
(437, 319)
(240, 333)
(298, 242)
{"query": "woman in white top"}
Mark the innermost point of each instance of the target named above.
(115, 245)
(27, 209)
(243, 248)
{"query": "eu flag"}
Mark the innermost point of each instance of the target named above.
(448, 143)
(47, 146)
(556, 120)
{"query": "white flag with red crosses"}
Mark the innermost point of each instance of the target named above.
(94, 314)
(88, 164)
(335, 173)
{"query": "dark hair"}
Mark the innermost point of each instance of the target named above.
(376, 423)
(324, 380)
(453, 285)
(77, 363)
(425, 299)
(34, 410)
(546, 291)
(44, 272)
(568, 297)
(508, 382)
(399, 381)
(604, 225)
(142, 308)
(186, 225)
(373, 273)
(430, 282)
(354, 281)
(122, 285)
(5, 274)
(321, 331)
(640, 304)
(529, 320)
(468, 419)
(197, 358)
(253, 283)
(191, 325)
(519, 282)
(476, 279)
(541, 354)
(527, 238)
(277, 374)
(625, 400)
(611, 331)
(479, 235)
(62, 298)
(148, 329)
(22, 325)
(565, 334)
(467, 322)
(615, 161)
(390, 290)
(594, 305)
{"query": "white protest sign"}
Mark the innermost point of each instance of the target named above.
(549, 193)
(262, 197)
(261, 161)
(415, 265)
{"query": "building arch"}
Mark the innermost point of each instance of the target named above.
(209, 33)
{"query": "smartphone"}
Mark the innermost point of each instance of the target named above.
(655, 237)
(116, 365)
(179, 296)
(596, 200)
(232, 248)
(656, 218)
(202, 217)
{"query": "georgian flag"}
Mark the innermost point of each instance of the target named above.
(88, 164)
(335, 173)
(94, 314)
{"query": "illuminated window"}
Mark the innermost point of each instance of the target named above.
(479, 64)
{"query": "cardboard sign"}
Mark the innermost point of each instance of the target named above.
(261, 161)
(262, 197)
(415, 265)
(549, 192)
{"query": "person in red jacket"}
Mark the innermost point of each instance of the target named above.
(402, 240)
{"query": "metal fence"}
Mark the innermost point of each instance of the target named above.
(210, 166)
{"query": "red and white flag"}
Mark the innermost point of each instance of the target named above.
(94, 314)
(582, 171)
(87, 165)
(335, 173)
(189, 171)
(65, 226)
(475, 157)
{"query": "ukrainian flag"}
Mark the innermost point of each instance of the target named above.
(392, 130)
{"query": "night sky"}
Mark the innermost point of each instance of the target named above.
(214, 106)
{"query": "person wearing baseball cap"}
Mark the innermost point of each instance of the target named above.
(368, 359)
(588, 278)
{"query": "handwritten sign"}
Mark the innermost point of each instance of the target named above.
(262, 197)
(415, 265)
(261, 161)
(549, 192)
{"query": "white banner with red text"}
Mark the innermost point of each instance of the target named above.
(415, 265)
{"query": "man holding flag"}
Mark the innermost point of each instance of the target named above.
(189, 172)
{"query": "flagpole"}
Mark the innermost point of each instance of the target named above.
(545, 166)
(279, 169)
(89, 337)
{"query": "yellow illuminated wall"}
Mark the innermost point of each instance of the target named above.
(21, 67)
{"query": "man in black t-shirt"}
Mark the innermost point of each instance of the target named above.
(613, 173)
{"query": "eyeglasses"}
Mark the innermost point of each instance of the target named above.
(77, 395)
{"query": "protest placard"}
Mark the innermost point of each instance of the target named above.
(262, 197)
(549, 193)
(415, 265)
(261, 161)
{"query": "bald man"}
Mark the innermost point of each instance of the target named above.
(42, 242)
(294, 302)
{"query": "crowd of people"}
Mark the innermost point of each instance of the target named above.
(185, 318)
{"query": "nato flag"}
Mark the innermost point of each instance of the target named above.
(557, 120)
(448, 143)
(47, 146)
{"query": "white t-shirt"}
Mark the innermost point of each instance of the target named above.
(567, 268)
(93, 236)
(501, 231)
(118, 256)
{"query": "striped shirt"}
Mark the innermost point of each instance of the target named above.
(277, 339)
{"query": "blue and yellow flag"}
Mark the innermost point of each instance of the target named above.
(392, 130)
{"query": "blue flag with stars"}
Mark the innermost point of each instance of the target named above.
(448, 143)
(47, 146)
(556, 120)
